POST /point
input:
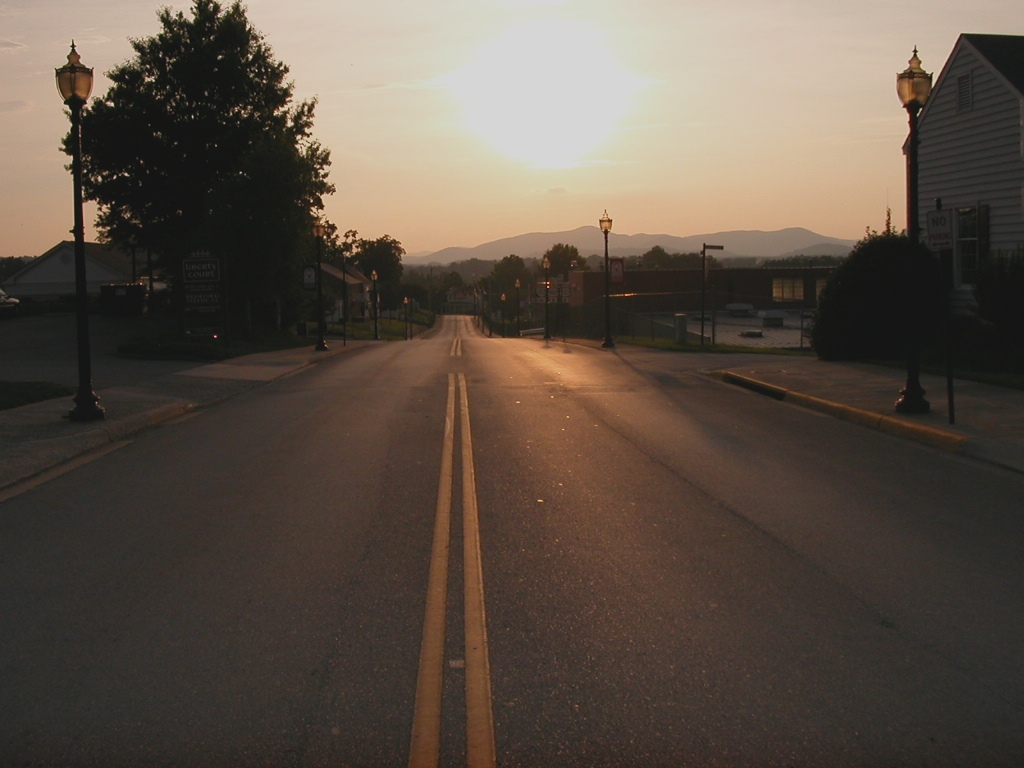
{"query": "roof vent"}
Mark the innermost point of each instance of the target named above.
(964, 93)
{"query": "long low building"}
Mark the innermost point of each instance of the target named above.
(683, 290)
(51, 277)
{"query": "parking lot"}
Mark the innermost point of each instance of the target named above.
(45, 348)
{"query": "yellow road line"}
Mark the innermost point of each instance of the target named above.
(424, 749)
(480, 747)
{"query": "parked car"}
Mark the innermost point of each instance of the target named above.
(8, 305)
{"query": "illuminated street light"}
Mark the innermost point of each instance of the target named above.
(318, 233)
(606, 227)
(518, 286)
(913, 85)
(547, 284)
(74, 83)
(376, 307)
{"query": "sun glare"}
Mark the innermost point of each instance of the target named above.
(548, 94)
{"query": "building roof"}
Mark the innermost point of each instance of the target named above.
(352, 276)
(113, 259)
(1005, 53)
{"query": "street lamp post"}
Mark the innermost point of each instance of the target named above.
(913, 85)
(376, 307)
(606, 227)
(504, 327)
(518, 330)
(408, 330)
(704, 282)
(318, 233)
(547, 285)
(344, 301)
(74, 83)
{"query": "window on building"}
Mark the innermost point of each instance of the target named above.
(787, 289)
(964, 93)
(971, 241)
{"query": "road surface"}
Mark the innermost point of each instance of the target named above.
(478, 551)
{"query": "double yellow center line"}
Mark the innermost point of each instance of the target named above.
(426, 730)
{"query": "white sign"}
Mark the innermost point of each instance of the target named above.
(940, 229)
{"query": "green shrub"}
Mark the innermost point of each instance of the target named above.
(1000, 286)
(886, 288)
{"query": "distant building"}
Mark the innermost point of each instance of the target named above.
(679, 290)
(357, 288)
(463, 300)
(51, 277)
(748, 290)
(971, 150)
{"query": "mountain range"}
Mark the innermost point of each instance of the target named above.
(589, 240)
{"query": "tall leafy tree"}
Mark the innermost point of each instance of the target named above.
(198, 145)
(383, 255)
(563, 258)
(508, 270)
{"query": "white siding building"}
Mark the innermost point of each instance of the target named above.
(51, 277)
(971, 150)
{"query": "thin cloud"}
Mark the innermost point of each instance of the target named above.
(409, 85)
(9, 45)
(10, 107)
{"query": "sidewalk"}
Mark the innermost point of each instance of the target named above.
(989, 420)
(36, 437)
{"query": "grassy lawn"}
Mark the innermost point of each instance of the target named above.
(17, 393)
(388, 330)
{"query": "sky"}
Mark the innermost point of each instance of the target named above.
(458, 122)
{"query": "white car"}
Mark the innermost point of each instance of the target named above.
(8, 305)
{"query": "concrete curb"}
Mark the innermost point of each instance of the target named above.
(38, 456)
(931, 436)
(27, 460)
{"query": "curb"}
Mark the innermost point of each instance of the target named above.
(950, 442)
(42, 455)
(30, 459)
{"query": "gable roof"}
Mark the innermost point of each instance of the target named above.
(1005, 53)
(352, 276)
(113, 259)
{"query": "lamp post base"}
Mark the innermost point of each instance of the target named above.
(608, 344)
(87, 408)
(321, 347)
(912, 401)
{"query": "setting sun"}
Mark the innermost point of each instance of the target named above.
(548, 94)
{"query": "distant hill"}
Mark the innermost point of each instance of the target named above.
(589, 240)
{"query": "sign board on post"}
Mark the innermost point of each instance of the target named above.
(940, 229)
(617, 270)
(204, 295)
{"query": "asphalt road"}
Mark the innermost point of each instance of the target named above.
(671, 571)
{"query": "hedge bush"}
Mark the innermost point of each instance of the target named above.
(887, 287)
